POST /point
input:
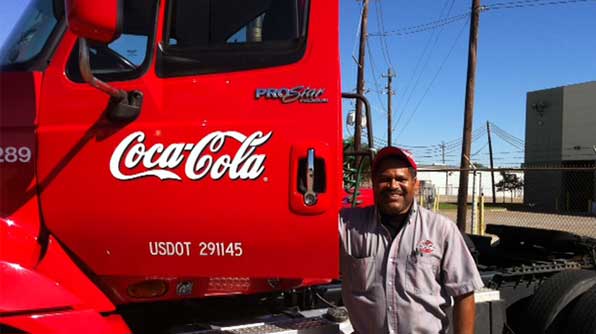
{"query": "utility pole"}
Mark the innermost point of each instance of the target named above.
(360, 78)
(474, 201)
(389, 77)
(492, 171)
(462, 196)
(446, 172)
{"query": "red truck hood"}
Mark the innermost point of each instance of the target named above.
(19, 92)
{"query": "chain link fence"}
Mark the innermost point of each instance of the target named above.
(556, 198)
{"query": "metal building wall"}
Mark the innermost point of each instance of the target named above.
(579, 122)
(561, 132)
(544, 133)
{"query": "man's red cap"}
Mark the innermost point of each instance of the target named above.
(392, 151)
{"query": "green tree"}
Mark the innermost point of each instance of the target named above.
(353, 180)
(350, 160)
(479, 165)
(509, 182)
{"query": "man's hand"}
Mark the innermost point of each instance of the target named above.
(464, 313)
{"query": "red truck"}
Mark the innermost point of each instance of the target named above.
(154, 153)
(175, 166)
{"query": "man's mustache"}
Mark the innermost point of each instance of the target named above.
(392, 192)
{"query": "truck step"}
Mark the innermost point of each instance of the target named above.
(295, 326)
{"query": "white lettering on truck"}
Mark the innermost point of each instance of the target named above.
(168, 248)
(159, 160)
(183, 248)
(15, 154)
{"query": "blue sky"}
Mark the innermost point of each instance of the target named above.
(9, 14)
(520, 49)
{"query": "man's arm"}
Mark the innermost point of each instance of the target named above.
(464, 313)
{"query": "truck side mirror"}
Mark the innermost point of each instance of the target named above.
(99, 21)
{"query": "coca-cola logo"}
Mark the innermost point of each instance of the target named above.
(199, 161)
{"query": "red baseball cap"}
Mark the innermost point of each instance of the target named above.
(392, 151)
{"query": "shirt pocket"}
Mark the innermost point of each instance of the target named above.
(422, 274)
(361, 273)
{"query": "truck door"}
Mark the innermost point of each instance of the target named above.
(233, 166)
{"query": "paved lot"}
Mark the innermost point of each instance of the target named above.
(582, 225)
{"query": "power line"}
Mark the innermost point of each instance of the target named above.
(529, 3)
(381, 25)
(449, 20)
(454, 145)
(409, 92)
(509, 141)
(507, 133)
(436, 150)
(425, 27)
(496, 4)
(480, 150)
(374, 75)
(478, 134)
(506, 136)
(434, 78)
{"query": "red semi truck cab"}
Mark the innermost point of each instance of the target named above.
(191, 148)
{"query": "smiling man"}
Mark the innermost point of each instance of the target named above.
(401, 263)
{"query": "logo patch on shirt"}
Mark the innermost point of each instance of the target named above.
(426, 247)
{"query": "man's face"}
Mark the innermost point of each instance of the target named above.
(394, 187)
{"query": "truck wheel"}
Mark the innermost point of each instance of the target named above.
(582, 319)
(553, 296)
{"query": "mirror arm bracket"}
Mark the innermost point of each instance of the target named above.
(85, 68)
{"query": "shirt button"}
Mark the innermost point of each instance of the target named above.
(389, 283)
(390, 308)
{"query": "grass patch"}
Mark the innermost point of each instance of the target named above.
(448, 206)
(487, 206)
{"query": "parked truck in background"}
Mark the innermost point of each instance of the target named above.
(175, 166)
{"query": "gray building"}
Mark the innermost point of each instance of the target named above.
(561, 132)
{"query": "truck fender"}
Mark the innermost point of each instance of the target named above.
(60, 322)
(55, 282)
(59, 267)
(36, 303)
(19, 238)
(28, 290)
(553, 296)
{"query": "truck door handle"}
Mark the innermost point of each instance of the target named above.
(312, 178)
(310, 196)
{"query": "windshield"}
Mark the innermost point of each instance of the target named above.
(31, 33)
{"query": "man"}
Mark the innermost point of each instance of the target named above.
(401, 263)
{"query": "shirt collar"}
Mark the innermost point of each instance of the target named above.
(409, 219)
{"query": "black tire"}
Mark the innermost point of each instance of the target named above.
(582, 319)
(553, 296)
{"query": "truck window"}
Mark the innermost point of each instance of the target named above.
(210, 36)
(31, 34)
(128, 56)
